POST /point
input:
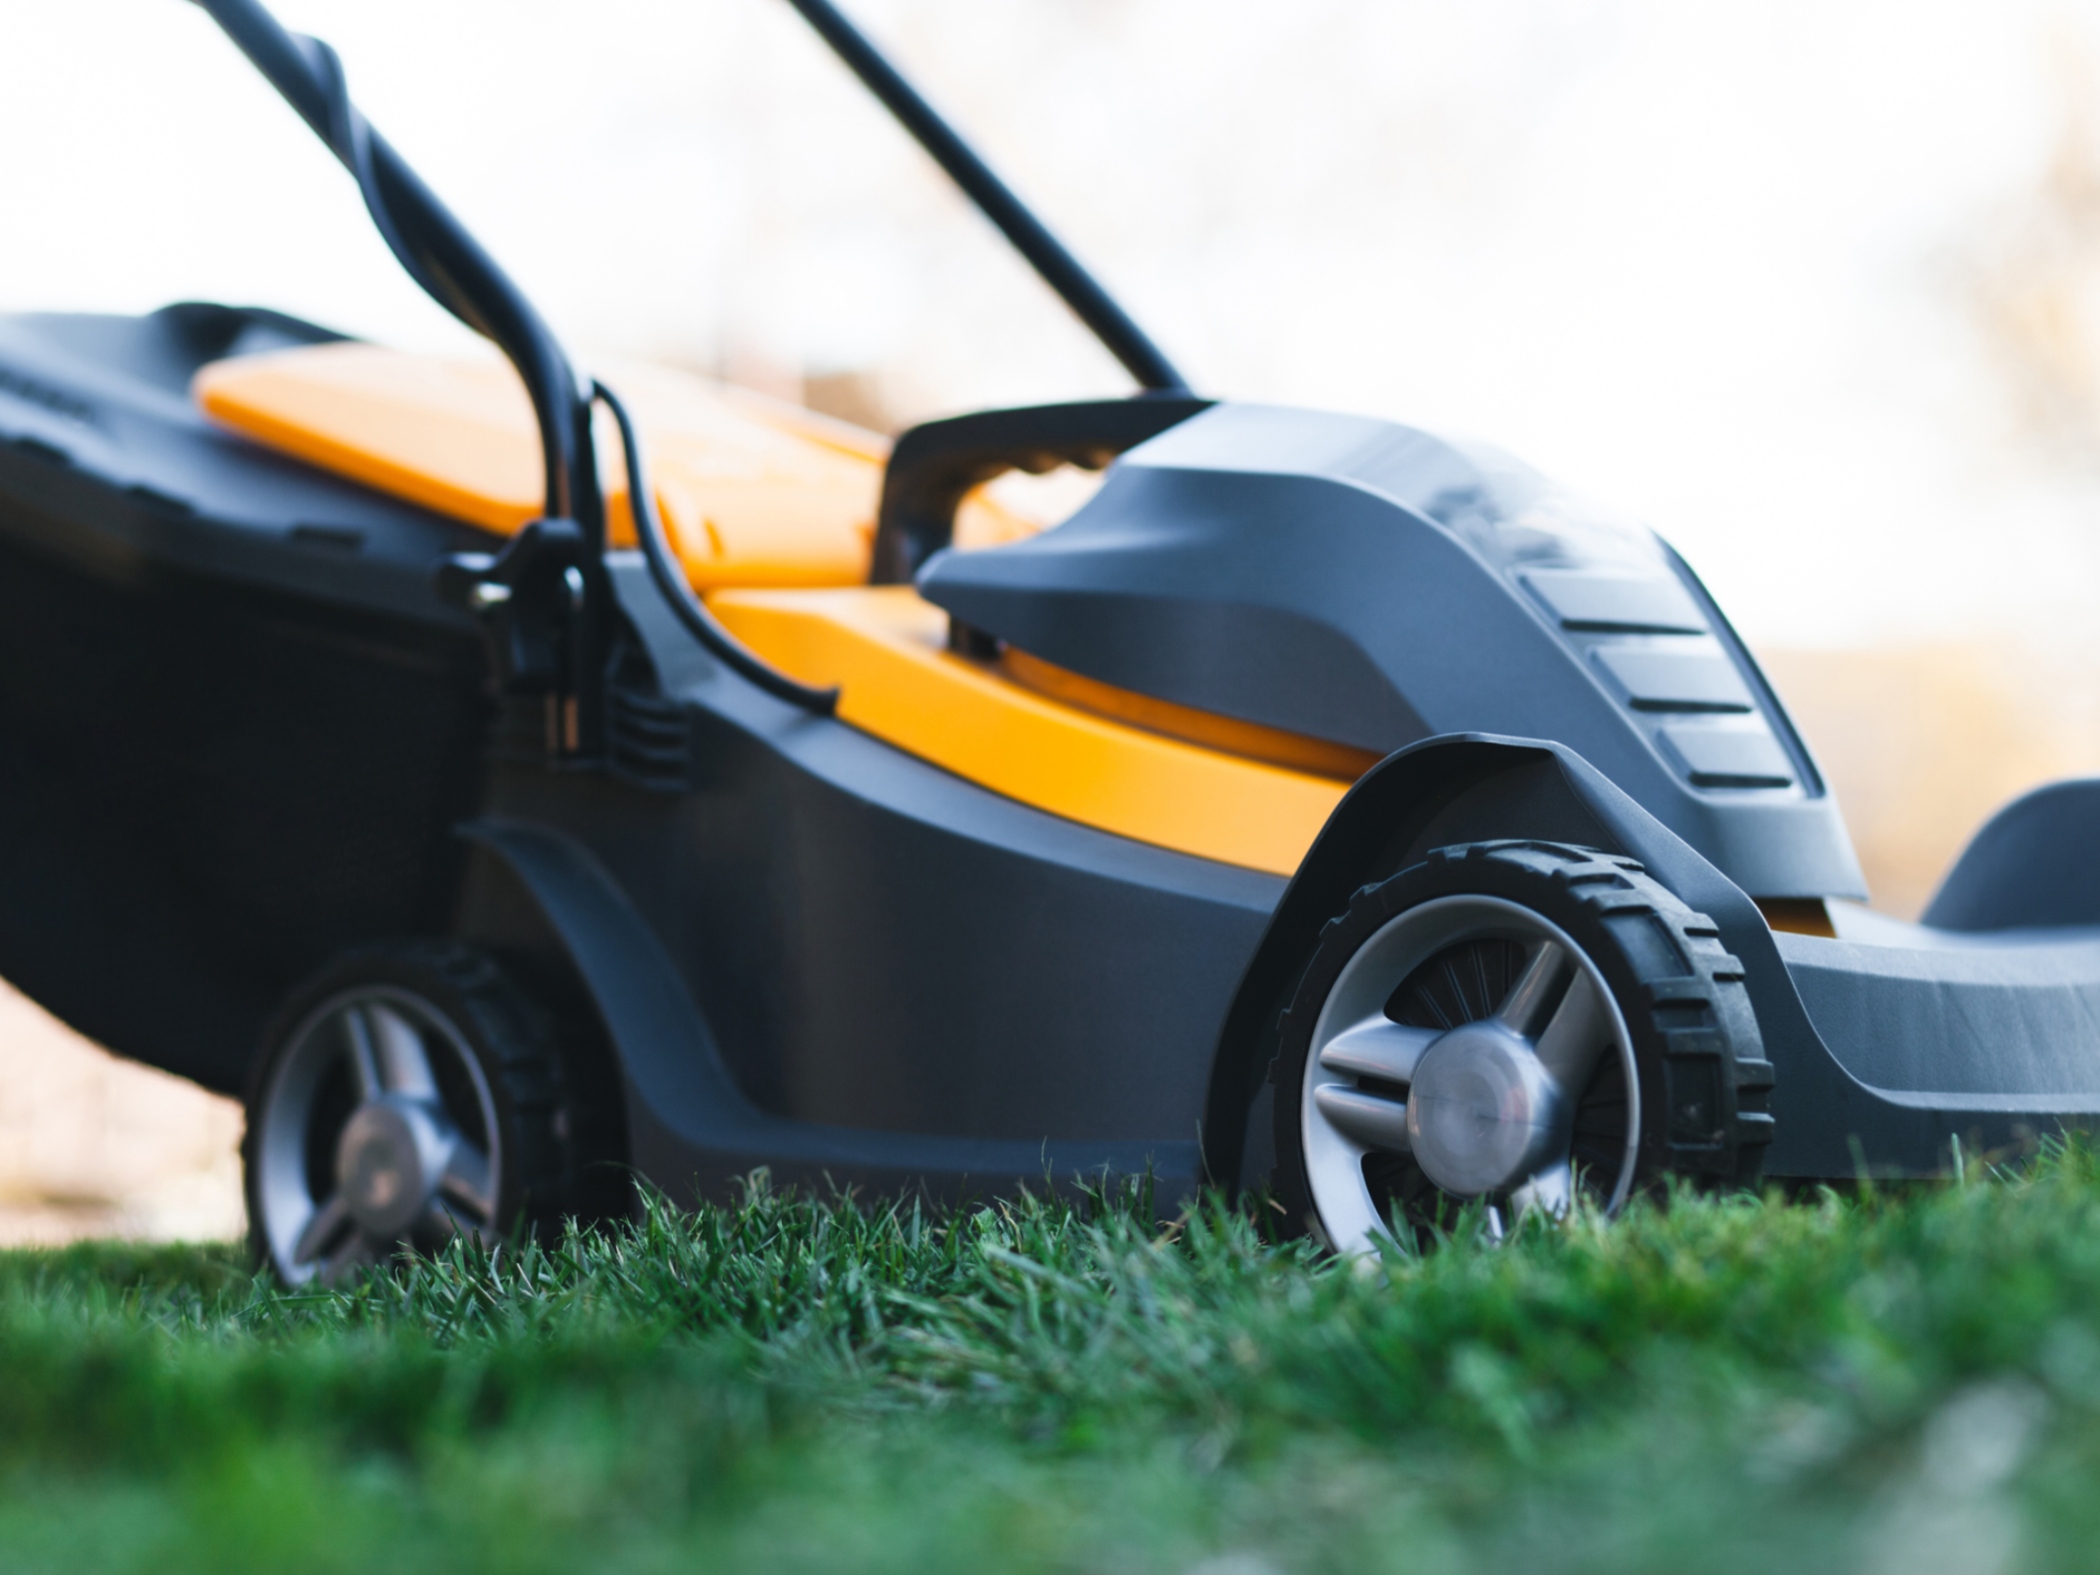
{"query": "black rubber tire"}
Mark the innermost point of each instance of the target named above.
(550, 1078)
(1705, 1085)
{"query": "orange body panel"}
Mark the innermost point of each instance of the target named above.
(887, 650)
(751, 493)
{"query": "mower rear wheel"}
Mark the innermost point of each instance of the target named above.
(408, 1095)
(1512, 1022)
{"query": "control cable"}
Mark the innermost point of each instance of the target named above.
(1044, 252)
(678, 594)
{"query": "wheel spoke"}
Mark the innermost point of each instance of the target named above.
(327, 1223)
(1363, 1119)
(467, 1181)
(1378, 1047)
(1538, 992)
(404, 1064)
(1577, 1036)
(363, 1053)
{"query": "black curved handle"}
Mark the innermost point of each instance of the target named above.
(934, 466)
(435, 249)
(1029, 236)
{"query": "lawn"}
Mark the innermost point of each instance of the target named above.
(1890, 1382)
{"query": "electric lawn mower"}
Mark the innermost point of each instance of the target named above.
(1322, 805)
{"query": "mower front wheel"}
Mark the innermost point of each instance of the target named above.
(1514, 1023)
(409, 1094)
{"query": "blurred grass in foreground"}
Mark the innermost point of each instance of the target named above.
(1886, 1382)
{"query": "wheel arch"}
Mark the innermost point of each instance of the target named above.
(1460, 787)
(575, 917)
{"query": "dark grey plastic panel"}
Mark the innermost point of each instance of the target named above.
(1615, 603)
(691, 1128)
(106, 462)
(1729, 758)
(2012, 1025)
(1659, 680)
(1375, 585)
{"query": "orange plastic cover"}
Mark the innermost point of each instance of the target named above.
(887, 651)
(752, 492)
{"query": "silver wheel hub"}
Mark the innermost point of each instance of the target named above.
(388, 1163)
(1483, 1114)
(1484, 1107)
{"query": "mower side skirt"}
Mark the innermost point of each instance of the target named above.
(2007, 1024)
(691, 1127)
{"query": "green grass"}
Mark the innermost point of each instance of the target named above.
(1897, 1382)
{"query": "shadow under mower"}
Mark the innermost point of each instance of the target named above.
(1323, 803)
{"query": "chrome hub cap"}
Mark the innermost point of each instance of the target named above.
(1482, 1101)
(378, 1132)
(1482, 1113)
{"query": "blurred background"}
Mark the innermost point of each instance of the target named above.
(1814, 288)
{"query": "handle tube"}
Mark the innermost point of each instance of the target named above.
(1059, 269)
(435, 249)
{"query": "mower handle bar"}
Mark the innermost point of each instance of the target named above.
(1059, 269)
(437, 250)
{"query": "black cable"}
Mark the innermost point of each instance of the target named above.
(669, 576)
(1059, 269)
